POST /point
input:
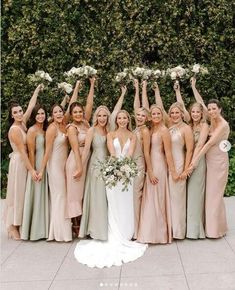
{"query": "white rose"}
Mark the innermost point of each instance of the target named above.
(196, 68)
(173, 75)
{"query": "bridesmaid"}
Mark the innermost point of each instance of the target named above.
(155, 220)
(217, 166)
(36, 204)
(19, 163)
(75, 171)
(182, 149)
(141, 130)
(94, 220)
(197, 180)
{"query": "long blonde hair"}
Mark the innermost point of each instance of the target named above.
(128, 116)
(177, 105)
(95, 116)
(155, 106)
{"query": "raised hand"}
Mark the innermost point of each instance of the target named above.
(155, 86)
(136, 83)
(92, 80)
(193, 81)
(124, 89)
(176, 86)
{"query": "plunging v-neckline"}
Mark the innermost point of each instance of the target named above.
(122, 148)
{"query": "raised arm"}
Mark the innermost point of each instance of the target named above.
(180, 100)
(197, 96)
(117, 107)
(146, 149)
(17, 139)
(73, 99)
(159, 102)
(137, 95)
(145, 102)
(50, 137)
(32, 103)
(31, 145)
(110, 146)
(88, 140)
(65, 101)
(90, 100)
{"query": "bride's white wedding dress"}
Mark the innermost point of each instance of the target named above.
(118, 248)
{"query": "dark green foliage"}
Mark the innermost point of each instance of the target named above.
(111, 35)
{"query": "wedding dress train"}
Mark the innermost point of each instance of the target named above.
(118, 249)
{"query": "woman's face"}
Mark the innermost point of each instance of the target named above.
(156, 115)
(58, 114)
(196, 114)
(41, 116)
(140, 117)
(122, 120)
(17, 114)
(77, 114)
(176, 115)
(213, 111)
(102, 118)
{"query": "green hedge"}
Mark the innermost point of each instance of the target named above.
(111, 35)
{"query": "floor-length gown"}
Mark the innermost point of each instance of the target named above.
(138, 180)
(196, 198)
(60, 226)
(36, 203)
(216, 179)
(16, 184)
(178, 189)
(94, 220)
(118, 248)
(75, 188)
(155, 219)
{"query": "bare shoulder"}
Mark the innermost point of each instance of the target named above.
(145, 130)
(52, 130)
(71, 129)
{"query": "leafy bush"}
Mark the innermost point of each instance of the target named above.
(110, 35)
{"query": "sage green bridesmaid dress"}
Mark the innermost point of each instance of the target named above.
(36, 203)
(94, 220)
(196, 199)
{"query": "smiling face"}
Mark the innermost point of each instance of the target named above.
(122, 120)
(17, 114)
(141, 117)
(196, 113)
(156, 115)
(58, 114)
(77, 114)
(213, 110)
(176, 115)
(40, 116)
(102, 118)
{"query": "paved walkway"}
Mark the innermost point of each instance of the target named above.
(188, 264)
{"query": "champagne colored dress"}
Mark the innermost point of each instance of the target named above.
(178, 189)
(94, 220)
(60, 227)
(216, 179)
(138, 180)
(155, 220)
(75, 188)
(35, 223)
(16, 183)
(196, 198)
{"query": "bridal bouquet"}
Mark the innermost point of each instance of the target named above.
(68, 88)
(82, 72)
(122, 77)
(114, 170)
(177, 73)
(199, 69)
(39, 77)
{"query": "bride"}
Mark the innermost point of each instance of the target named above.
(118, 248)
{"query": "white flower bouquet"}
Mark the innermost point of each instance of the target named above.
(177, 73)
(114, 170)
(82, 72)
(66, 87)
(199, 69)
(39, 77)
(122, 77)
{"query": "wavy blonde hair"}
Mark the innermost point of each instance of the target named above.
(177, 105)
(95, 116)
(155, 106)
(203, 117)
(128, 116)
